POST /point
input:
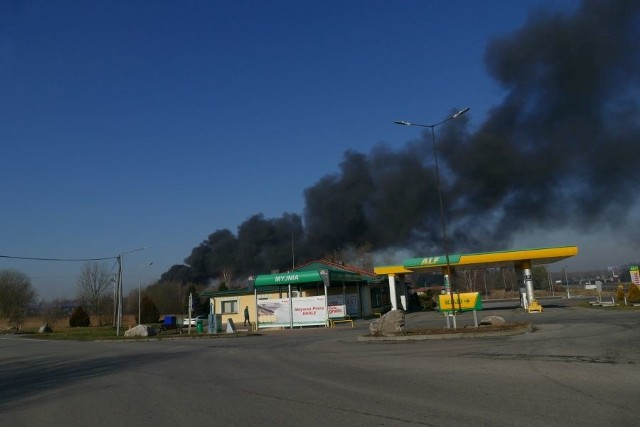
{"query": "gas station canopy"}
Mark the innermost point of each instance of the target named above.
(536, 256)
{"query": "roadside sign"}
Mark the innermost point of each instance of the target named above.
(466, 301)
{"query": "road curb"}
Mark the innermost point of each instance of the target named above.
(528, 328)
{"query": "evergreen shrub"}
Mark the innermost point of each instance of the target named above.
(634, 293)
(79, 317)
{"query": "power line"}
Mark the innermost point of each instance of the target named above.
(56, 259)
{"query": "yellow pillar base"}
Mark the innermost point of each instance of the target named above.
(535, 306)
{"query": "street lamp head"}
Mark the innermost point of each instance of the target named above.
(455, 116)
(461, 112)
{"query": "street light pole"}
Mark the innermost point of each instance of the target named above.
(119, 302)
(114, 279)
(448, 278)
(139, 293)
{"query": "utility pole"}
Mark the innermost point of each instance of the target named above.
(119, 302)
(190, 305)
(120, 258)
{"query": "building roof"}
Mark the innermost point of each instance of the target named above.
(228, 292)
(320, 264)
(317, 271)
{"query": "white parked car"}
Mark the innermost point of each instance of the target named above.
(194, 320)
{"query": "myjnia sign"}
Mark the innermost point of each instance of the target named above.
(467, 301)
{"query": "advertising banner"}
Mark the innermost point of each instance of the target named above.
(274, 312)
(351, 302)
(278, 313)
(337, 311)
(309, 311)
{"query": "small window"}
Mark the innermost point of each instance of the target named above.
(229, 306)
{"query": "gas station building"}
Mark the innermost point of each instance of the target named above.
(320, 292)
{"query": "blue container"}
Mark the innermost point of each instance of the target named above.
(170, 321)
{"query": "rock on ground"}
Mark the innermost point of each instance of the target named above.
(45, 329)
(390, 323)
(491, 321)
(140, 331)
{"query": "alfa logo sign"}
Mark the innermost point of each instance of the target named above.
(467, 301)
(635, 274)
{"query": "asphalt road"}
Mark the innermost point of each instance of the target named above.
(581, 367)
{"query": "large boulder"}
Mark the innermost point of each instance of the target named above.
(140, 331)
(491, 321)
(45, 329)
(391, 323)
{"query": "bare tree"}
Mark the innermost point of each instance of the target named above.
(167, 296)
(92, 284)
(15, 293)
(469, 278)
(227, 274)
(508, 278)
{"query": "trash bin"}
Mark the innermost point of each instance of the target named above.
(199, 325)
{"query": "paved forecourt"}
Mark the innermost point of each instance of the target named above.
(579, 368)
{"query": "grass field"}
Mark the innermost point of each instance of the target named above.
(62, 330)
(81, 334)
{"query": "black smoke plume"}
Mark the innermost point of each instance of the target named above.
(561, 150)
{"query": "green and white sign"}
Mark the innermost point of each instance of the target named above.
(292, 278)
(635, 274)
(430, 261)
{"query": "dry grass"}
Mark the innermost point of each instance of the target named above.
(507, 327)
(468, 330)
(33, 324)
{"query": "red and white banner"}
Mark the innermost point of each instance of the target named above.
(280, 312)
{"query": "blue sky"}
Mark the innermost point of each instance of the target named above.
(153, 123)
